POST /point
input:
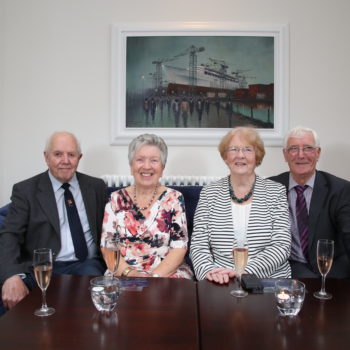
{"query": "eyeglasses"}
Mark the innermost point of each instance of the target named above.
(296, 149)
(245, 150)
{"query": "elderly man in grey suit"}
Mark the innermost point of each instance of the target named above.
(39, 218)
(327, 201)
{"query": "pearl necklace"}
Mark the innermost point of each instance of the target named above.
(150, 202)
(245, 198)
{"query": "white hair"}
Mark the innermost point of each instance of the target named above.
(150, 140)
(300, 131)
(49, 140)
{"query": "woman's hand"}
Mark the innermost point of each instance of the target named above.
(220, 275)
(137, 273)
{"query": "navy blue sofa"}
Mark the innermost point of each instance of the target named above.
(191, 196)
(3, 212)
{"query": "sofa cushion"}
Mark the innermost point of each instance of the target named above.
(190, 193)
(191, 196)
(3, 212)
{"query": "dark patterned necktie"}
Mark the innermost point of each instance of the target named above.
(76, 229)
(302, 217)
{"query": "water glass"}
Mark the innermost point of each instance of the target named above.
(290, 296)
(105, 292)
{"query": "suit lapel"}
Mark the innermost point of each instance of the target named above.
(89, 199)
(284, 180)
(47, 201)
(319, 195)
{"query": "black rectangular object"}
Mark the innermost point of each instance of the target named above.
(251, 283)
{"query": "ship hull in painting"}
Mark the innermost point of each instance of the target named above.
(206, 77)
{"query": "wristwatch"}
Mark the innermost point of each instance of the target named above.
(126, 271)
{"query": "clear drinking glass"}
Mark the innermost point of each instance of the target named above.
(105, 292)
(42, 264)
(240, 258)
(111, 254)
(325, 252)
(289, 296)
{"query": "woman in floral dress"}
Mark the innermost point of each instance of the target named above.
(148, 218)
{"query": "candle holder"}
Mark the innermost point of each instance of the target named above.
(290, 296)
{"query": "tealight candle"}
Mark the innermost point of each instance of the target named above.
(289, 296)
(283, 296)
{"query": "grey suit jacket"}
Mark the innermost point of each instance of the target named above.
(329, 218)
(33, 221)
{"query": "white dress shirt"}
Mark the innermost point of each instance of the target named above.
(67, 248)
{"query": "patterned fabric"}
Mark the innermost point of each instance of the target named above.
(146, 241)
(268, 232)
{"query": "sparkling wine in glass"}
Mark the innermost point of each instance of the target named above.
(325, 252)
(42, 264)
(111, 254)
(240, 257)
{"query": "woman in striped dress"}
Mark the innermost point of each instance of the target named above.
(241, 208)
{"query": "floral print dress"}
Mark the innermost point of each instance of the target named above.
(145, 241)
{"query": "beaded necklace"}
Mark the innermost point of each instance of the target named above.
(150, 202)
(232, 193)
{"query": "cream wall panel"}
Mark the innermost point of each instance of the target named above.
(55, 75)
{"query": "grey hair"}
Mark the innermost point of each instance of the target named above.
(49, 140)
(300, 131)
(149, 140)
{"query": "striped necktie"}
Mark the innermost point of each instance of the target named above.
(302, 218)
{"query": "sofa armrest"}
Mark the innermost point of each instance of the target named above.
(3, 212)
(191, 196)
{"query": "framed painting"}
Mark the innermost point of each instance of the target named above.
(191, 82)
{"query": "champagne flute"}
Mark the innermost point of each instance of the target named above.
(240, 257)
(111, 254)
(325, 252)
(42, 264)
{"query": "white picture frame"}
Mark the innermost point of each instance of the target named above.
(122, 134)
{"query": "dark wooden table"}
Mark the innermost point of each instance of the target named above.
(161, 316)
(253, 322)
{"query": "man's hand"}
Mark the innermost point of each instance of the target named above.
(13, 291)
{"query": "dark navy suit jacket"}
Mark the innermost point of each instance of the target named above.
(329, 218)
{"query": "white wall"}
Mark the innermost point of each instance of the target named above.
(55, 75)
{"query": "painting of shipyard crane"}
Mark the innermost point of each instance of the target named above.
(200, 83)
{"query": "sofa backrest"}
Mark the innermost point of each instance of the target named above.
(191, 196)
(190, 193)
(3, 212)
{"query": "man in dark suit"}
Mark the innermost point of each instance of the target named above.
(327, 199)
(38, 218)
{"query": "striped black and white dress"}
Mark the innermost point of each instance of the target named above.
(268, 231)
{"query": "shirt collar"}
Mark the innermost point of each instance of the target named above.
(57, 184)
(293, 183)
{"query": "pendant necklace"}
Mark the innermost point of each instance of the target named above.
(232, 193)
(150, 202)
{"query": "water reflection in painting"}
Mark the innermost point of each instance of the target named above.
(188, 88)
